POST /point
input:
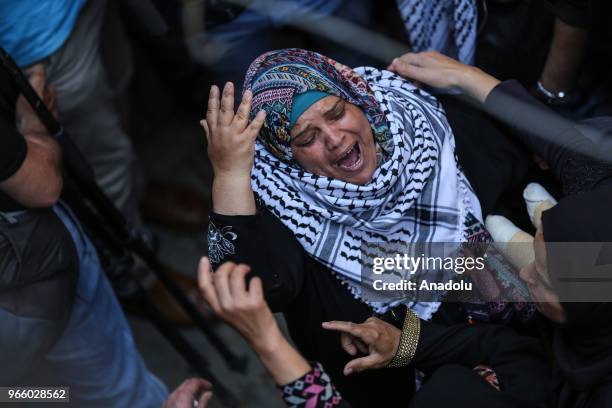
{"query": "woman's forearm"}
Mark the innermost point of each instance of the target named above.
(565, 57)
(477, 83)
(232, 194)
(280, 359)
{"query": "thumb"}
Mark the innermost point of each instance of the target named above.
(363, 363)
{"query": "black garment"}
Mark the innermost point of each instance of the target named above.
(12, 155)
(13, 152)
(308, 294)
(448, 355)
(13, 148)
(493, 162)
(560, 142)
(582, 346)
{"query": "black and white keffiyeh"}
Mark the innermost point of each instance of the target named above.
(446, 26)
(418, 194)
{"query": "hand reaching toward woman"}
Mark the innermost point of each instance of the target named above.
(439, 71)
(243, 307)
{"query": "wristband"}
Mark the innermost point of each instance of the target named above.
(409, 340)
(552, 98)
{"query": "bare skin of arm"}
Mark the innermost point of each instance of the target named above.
(565, 57)
(231, 148)
(244, 308)
(38, 182)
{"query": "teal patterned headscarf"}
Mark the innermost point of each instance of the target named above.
(277, 77)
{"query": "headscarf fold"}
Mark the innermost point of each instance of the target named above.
(417, 193)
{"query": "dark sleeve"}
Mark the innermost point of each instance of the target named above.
(518, 361)
(549, 135)
(13, 150)
(314, 389)
(267, 246)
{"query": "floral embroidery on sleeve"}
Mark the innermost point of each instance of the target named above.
(220, 242)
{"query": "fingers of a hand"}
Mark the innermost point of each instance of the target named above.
(212, 110)
(346, 341)
(207, 287)
(409, 70)
(38, 83)
(242, 115)
(227, 105)
(183, 396)
(203, 402)
(410, 58)
(256, 124)
(221, 281)
(256, 289)
(237, 284)
(50, 95)
(192, 385)
(363, 363)
(361, 346)
(345, 327)
(204, 125)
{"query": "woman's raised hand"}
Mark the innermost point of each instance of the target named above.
(374, 337)
(230, 136)
(439, 71)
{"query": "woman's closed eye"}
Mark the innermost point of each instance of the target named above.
(305, 139)
(337, 112)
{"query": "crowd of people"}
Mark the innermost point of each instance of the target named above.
(462, 130)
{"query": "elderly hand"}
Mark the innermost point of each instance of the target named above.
(231, 138)
(188, 393)
(374, 337)
(442, 72)
(243, 309)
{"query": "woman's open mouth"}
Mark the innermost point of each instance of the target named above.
(351, 160)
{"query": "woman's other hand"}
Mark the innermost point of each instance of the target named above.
(230, 136)
(439, 71)
(242, 308)
(374, 337)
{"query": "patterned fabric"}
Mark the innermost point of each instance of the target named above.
(406, 200)
(446, 26)
(498, 283)
(313, 390)
(276, 77)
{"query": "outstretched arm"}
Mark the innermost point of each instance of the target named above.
(241, 305)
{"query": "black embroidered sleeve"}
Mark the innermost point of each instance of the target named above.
(266, 245)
